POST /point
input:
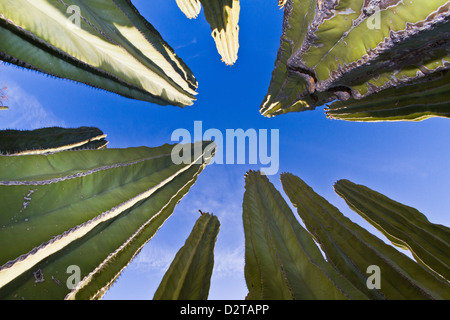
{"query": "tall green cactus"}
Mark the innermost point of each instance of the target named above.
(359, 52)
(85, 211)
(352, 250)
(281, 259)
(404, 226)
(48, 140)
(189, 275)
(103, 43)
(223, 17)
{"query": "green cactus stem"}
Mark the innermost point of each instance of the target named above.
(404, 226)
(359, 52)
(282, 261)
(352, 250)
(223, 17)
(89, 210)
(189, 275)
(50, 140)
(106, 44)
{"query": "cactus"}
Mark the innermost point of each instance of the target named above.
(106, 44)
(191, 8)
(351, 249)
(87, 210)
(414, 103)
(189, 275)
(404, 226)
(48, 140)
(281, 259)
(334, 50)
(223, 17)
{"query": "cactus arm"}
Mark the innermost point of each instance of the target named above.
(49, 140)
(351, 249)
(343, 57)
(223, 17)
(189, 275)
(284, 86)
(282, 3)
(107, 191)
(101, 54)
(191, 8)
(403, 225)
(282, 261)
(412, 102)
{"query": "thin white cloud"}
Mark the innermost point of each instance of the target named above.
(25, 111)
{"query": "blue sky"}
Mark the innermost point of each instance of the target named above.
(408, 162)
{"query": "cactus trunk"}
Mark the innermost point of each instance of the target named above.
(106, 44)
(191, 8)
(91, 209)
(189, 275)
(359, 53)
(352, 250)
(282, 261)
(223, 17)
(404, 226)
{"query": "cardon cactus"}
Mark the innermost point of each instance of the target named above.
(49, 140)
(189, 275)
(106, 44)
(223, 17)
(352, 250)
(363, 57)
(77, 218)
(404, 226)
(282, 261)
(191, 8)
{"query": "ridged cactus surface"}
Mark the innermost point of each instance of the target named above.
(223, 17)
(404, 226)
(282, 261)
(106, 44)
(357, 52)
(189, 275)
(352, 250)
(49, 140)
(191, 8)
(92, 210)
